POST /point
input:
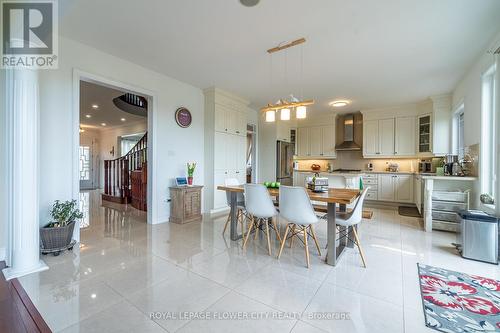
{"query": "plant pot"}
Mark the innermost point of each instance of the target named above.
(190, 180)
(56, 238)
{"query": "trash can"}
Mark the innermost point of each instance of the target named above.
(479, 236)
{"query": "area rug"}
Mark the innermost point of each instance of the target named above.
(408, 211)
(458, 302)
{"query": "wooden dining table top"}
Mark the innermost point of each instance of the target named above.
(342, 196)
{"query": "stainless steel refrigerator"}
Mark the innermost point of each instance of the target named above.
(284, 162)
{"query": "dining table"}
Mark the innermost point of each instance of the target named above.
(332, 197)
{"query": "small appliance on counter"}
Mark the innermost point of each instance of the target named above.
(478, 237)
(425, 166)
(393, 167)
(451, 166)
(317, 184)
(369, 166)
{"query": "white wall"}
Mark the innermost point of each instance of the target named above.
(174, 146)
(3, 184)
(468, 91)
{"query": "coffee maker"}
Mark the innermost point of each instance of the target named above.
(449, 162)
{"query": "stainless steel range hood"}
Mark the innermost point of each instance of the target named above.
(348, 144)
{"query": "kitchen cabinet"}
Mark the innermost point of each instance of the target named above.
(404, 188)
(283, 129)
(378, 140)
(386, 187)
(418, 192)
(425, 134)
(228, 120)
(405, 136)
(397, 188)
(225, 139)
(328, 141)
(316, 142)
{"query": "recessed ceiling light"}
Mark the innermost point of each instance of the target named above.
(249, 3)
(88, 116)
(123, 119)
(103, 124)
(339, 104)
(95, 106)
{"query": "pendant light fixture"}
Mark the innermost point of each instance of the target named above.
(283, 106)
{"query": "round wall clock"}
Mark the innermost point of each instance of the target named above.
(183, 117)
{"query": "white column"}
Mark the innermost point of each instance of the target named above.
(22, 122)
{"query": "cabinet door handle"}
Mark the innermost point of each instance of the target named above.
(237, 172)
(238, 132)
(395, 152)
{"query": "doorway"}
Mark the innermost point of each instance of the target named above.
(251, 165)
(96, 157)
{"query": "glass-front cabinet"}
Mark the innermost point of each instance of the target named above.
(425, 134)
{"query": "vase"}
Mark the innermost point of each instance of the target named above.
(190, 180)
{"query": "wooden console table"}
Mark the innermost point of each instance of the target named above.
(186, 204)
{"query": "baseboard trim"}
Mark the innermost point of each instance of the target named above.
(3, 253)
(219, 211)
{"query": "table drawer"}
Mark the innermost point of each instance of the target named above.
(449, 206)
(444, 216)
(450, 196)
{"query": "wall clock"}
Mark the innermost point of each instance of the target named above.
(183, 117)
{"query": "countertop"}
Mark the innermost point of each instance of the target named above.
(362, 172)
(450, 178)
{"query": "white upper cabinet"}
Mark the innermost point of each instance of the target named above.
(283, 129)
(229, 120)
(405, 136)
(316, 141)
(386, 135)
(378, 138)
(328, 141)
(303, 142)
(370, 138)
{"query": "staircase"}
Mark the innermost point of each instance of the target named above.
(125, 178)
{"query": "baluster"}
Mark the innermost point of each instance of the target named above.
(117, 178)
(106, 177)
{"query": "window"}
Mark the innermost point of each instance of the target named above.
(84, 163)
(458, 132)
(488, 133)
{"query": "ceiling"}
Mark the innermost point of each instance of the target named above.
(106, 112)
(374, 53)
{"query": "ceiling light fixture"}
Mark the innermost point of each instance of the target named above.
(339, 104)
(123, 119)
(95, 106)
(282, 105)
(249, 3)
(103, 124)
(88, 116)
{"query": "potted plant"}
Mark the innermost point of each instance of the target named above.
(57, 235)
(190, 170)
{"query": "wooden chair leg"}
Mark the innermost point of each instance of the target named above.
(267, 236)
(359, 245)
(278, 237)
(257, 225)
(293, 234)
(305, 245)
(242, 223)
(315, 239)
(283, 241)
(248, 233)
(227, 223)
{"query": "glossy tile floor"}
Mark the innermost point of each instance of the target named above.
(128, 276)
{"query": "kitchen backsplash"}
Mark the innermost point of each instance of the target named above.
(355, 160)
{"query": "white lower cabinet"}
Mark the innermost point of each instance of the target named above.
(396, 188)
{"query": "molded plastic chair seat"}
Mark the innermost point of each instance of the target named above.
(296, 208)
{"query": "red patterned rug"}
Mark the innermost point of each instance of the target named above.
(458, 302)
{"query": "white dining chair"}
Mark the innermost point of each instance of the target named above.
(240, 206)
(352, 219)
(296, 208)
(261, 210)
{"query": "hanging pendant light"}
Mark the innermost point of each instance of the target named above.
(301, 112)
(285, 114)
(270, 116)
